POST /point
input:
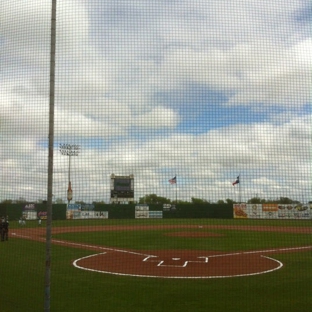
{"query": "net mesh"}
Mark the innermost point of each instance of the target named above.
(187, 102)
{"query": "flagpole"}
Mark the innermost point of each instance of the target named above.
(176, 191)
(237, 181)
(239, 190)
(174, 181)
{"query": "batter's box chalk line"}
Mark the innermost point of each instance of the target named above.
(162, 262)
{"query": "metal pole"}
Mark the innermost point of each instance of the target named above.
(69, 182)
(239, 190)
(176, 191)
(47, 281)
(69, 168)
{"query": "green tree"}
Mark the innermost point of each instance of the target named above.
(283, 200)
(182, 202)
(99, 203)
(230, 201)
(254, 200)
(7, 201)
(197, 201)
(154, 199)
(20, 200)
(81, 202)
(286, 200)
(59, 201)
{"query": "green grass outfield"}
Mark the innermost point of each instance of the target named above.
(22, 268)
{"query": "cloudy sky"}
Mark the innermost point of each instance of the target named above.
(201, 89)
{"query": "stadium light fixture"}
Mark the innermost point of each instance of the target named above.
(69, 150)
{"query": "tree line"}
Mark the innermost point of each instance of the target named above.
(154, 199)
(159, 200)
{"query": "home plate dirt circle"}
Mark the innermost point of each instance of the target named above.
(178, 263)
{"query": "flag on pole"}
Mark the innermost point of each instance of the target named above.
(173, 180)
(236, 181)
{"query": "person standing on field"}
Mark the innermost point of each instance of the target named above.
(4, 229)
(5, 226)
(1, 231)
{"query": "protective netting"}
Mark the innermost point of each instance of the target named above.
(202, 101)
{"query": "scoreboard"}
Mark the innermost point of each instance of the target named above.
(122, 189)
(122, 184)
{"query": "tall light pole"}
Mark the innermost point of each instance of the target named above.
(69, 150)
(47, 275)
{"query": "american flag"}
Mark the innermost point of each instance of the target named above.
(173, 180)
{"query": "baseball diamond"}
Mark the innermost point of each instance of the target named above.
(170, 263)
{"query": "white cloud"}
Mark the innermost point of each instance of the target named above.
(254, 72)
(113, 57)
(157, 118)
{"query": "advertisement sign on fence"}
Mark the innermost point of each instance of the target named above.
(84, 211)
(29, 212)
(272, 211)
(240, 211)
(141, 211)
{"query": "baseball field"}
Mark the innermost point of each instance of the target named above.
(160, 265)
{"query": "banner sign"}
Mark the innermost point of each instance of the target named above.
(81, 207)
(29, 207)
(272, 211)
(87, 207)
(42, 215)
(240, 211)
(84, 211)
(294, 212)
(74, 207)
(78, 214)
(29, 215)
(29, 212)
(155, 214)
(269, 207)
(142, 211)
(166, 207)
